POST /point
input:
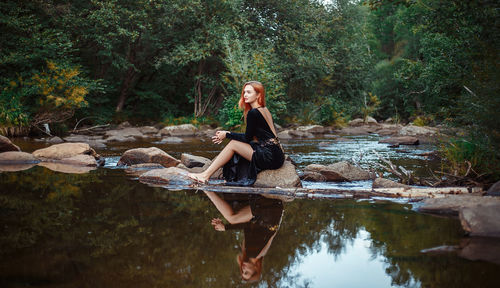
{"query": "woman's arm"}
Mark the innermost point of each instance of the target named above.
(263, 252)
(242, 216)
(250, 130)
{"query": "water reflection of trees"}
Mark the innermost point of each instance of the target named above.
(101, 229)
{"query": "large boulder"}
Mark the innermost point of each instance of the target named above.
(311, 129)
(191, 161)
(284, 177)
(7, 145)
(401, 140)
(179, 130)
(340, 171)
(17, 157)
(147, 155)
(64, 150)
(386, 183)
(482, 219)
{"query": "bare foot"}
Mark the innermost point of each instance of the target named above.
(198, 178)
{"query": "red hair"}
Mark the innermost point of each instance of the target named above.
(261, 98)
(242, 257)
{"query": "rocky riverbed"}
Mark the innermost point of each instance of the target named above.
(76, 153)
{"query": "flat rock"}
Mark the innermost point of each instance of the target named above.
(64, 150)
(147, 130)
(401, 140)
(80, 160)
(96, 142)
(170, 140)
(411, 130)
(17, 157)
(284, 177)
(124, 125)
(315, 129)
(356, 122)
(147, 155)
(171, 176)
(300, 134)
(191, 161)
(360, 122)
(7, 145)
(179, 130)
(386, 183)
(81, 138)
(451, 204)
(55, 140)
(285, 134)
(139, 169)
(312, 176)
(125, 132)
(481, 219)
(360, 130)
(340, 171)
(389, 129)
(120, 138)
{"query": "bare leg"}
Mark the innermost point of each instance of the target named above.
(241, 216)
(243, 149)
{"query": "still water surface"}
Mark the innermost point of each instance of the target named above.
(105, 229)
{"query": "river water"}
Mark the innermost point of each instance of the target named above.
(105, 229)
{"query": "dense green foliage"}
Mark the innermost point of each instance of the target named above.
(325, 62)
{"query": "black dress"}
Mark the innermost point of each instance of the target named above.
(265, 222)
(267, 152)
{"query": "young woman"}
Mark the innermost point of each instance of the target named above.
(251, 152)
(258, 217)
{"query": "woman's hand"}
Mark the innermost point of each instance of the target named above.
(219, 136)
(218, 225)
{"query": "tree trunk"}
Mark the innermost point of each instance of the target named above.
(128, 79)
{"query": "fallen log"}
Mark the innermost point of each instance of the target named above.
(300, 193)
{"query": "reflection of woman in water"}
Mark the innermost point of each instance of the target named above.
(249, 153)
(259, 217)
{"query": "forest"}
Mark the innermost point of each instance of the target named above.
(426, 62)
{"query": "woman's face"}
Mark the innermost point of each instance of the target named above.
(250, 94)
(247, 270)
